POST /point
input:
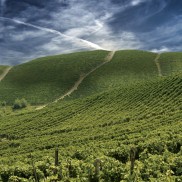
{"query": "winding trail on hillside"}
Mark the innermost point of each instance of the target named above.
(158, 64)
(82, 77)
(6, 71)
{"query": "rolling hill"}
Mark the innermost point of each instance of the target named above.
(48, 77)
(2, 68)
(124, 104)
(171, 63)
(126, 68)
(4, 71)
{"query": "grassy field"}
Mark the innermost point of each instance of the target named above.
(45, 79)
(140, 111)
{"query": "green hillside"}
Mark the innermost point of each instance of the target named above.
(2, 69)
(127, 67)
(130, 67)
(45, 79)
(105, 126)
(171, 63)
(126, 105)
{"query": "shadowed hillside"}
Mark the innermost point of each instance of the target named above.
(45, 79)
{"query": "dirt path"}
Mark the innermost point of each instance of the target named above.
(158, 64)
(6, 71)
(82, 77)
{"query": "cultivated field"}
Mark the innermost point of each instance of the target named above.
(45, 79)
(122, 124)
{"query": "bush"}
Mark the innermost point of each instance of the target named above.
(20, 103)
(24, 103)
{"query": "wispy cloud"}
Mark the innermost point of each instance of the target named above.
(160, 50)
(38, 28)
(79, 40)
(137, 2)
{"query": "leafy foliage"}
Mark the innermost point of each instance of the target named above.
(171, 63)
(20, 103)
(144, 114)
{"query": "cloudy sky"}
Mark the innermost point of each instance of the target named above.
(35, 28)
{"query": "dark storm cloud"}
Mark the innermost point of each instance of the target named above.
(34, 28)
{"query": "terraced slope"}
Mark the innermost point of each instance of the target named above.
(171, 63)
(46, 79)
(147, 115)
(127, 67)
(127, 106)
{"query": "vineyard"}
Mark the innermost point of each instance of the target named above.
(171, 63)
(126, 68)
(122, 124)
(48, 77)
